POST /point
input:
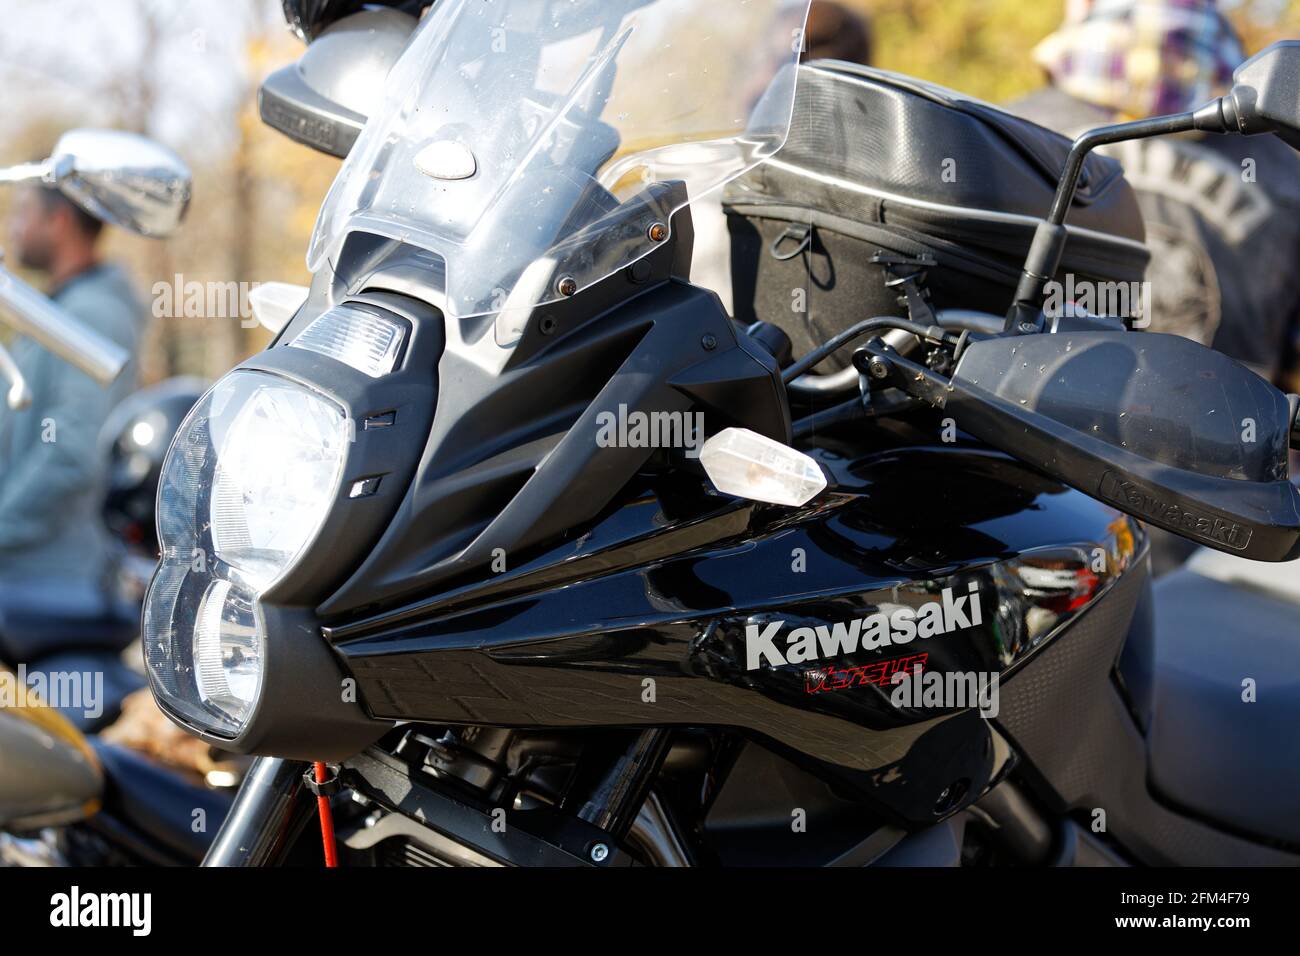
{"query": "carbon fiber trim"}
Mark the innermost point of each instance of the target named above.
(1066, 716)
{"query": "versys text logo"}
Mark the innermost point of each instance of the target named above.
(1143, 501)
(822, 679)
(875, 632)
(78, 909)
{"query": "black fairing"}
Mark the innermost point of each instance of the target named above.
(512, 461)
(483, 453)
(642, 621)
(629, 588)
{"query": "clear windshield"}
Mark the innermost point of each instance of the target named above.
(537, 146)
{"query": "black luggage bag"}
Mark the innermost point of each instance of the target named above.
(885, 167)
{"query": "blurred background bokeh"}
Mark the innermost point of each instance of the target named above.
(186, 72)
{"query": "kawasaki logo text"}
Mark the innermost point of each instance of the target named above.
(874, 632)
(1142, 502)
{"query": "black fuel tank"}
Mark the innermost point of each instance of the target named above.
(690, 608)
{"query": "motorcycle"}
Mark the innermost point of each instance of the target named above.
(68, 795)
(514, 549)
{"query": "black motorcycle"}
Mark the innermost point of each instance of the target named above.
(514, 548)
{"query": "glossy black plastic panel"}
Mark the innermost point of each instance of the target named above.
(686, 607)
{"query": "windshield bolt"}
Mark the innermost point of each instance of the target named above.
(878, 367)
(657, 232)
(599, 853)
(567, 285)
(709, 342)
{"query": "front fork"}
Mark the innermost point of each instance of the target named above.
(268, 814)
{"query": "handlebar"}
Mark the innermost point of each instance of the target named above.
(30, 313)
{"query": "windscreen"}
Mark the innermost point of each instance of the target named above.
(538, 146)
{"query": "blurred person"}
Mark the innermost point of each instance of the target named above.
(833, 32)
(1222, 213)
(53, 547)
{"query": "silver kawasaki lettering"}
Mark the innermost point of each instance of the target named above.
(898, 624)
(760, 645)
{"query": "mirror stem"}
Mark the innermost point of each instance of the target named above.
(1048, 244)
(25, 172)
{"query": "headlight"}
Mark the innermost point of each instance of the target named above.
(247, 484)
(276, 471)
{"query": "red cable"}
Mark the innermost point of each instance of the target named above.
(326, 819)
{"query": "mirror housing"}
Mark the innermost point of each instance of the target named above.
(1160, 427)
(122, 179)
(1265, 95)
(323, 100)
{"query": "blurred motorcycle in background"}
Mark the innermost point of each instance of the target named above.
(68, 794)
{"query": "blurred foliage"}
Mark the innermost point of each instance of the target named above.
(982, 47)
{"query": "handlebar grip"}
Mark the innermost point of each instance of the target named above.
(30, 313)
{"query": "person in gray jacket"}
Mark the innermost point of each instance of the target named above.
(54, 550)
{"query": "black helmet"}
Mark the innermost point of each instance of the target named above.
(308, 18)
(137, 434)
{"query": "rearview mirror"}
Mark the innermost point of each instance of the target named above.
(1266, 93)
(1158, 426)
(119, 178)
(324, 99)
